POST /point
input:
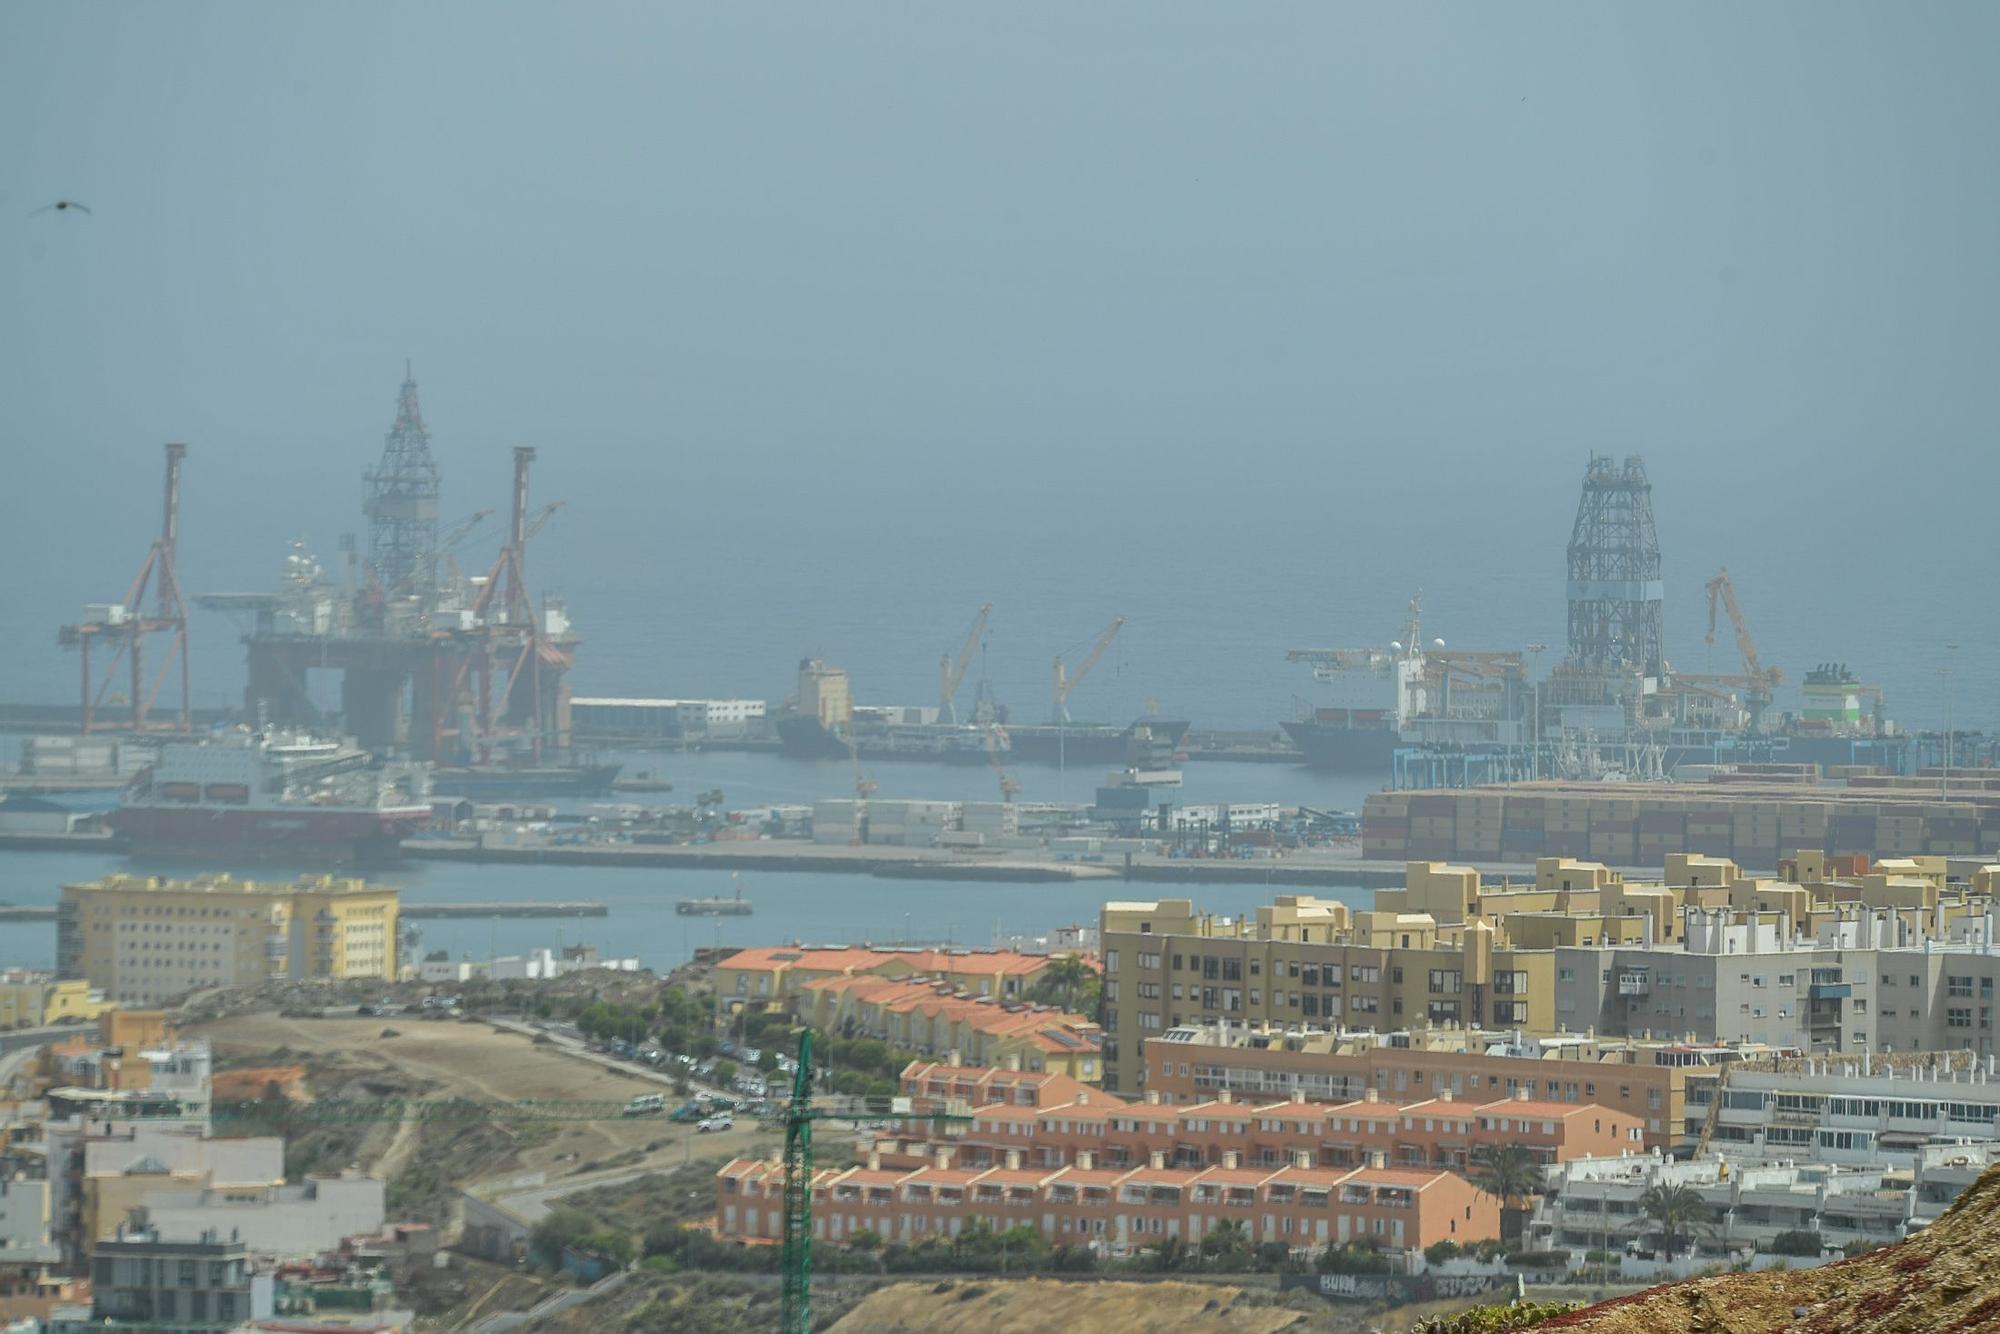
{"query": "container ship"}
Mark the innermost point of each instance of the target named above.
(273, 795)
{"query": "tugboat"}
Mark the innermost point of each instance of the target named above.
(735, 906)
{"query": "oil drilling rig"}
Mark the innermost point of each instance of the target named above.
(433, 664)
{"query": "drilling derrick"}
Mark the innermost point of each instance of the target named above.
(401, 503)
(123, 627)
(1614, 573)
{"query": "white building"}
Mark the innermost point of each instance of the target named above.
(1858, 1112)
(667, 719)
(283, 1222)
(538, 965)
(1596, 1204)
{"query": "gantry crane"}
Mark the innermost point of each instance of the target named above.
(1066, 683)
(800, 1114)
(951, 671)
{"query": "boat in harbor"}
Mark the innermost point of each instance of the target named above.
(734, 905)
(273, 794)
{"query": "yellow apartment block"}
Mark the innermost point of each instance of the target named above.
(145, 939)
(32, 1000)
(1306, 961)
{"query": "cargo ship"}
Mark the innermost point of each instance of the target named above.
(571, 780)
(272, 795)
(1361, 698)
(1370, 701)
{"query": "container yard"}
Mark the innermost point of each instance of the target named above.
(1755, 819)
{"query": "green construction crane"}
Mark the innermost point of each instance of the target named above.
(799, 1118)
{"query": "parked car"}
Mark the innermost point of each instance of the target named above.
(721, 1121)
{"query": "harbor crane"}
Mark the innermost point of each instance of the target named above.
(800, 1115)
(951, 671)
(1756, 682)
(125, 625)
(997, 741)
(1723, 589)
(1066, 683)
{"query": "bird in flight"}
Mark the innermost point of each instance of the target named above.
(60, 205)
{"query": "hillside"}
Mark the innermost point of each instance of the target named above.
(1946, 1278)
(1029, 1307)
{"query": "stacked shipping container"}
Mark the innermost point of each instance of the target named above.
(1628, 825)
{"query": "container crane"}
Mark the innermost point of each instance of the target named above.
(1066, 683)
(800, 1115)
(951, 671)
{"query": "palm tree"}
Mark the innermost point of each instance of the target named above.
(1509, 1173)
(1226, 1244)
(1067, 982)
(1679, 1212)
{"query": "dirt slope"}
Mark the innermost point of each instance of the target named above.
(971, 1306)
(1946, 1278)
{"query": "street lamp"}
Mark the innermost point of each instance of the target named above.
(1535, 652)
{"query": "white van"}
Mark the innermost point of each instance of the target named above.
(646, 1104)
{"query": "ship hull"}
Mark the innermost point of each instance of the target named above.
(807, 739)
(316, 835)
(577, 781)
(1086, 743)
(1350, 750)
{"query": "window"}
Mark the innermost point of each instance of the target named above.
(1396, 972)
(1564, 975)
(1177, 963)
(1147, 960)
(1445, 981)
(1309, 974)
(1958, 1017)
(1958, 988)
(1232, 970)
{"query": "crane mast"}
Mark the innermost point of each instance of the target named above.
(1066, 683)
(951, 671)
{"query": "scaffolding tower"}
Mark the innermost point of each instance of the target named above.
(1615, 622)
(402, 502)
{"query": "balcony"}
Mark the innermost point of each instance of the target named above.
(1634, 982)
(1830, 991)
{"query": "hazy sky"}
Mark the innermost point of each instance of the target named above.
(835, 311)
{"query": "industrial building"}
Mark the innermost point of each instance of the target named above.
(144, 940)
(609, 719)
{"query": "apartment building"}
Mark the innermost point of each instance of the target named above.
(1440, 1133)
(930, 1016)
(143, 1280)
(1305, 960)
(1867, 1111)
(768, 977)
(1855, 978)
(1595, 1204)
(30, 999)
(145, 939)
(1116, 1211)
(1651, 1082)
(952, 1081)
